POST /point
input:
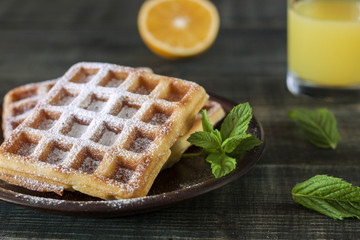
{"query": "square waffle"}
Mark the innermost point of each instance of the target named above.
(103, 129)
(19, 102)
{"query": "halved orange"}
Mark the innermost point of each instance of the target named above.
(178, 28)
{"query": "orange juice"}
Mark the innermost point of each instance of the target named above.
(324, 41)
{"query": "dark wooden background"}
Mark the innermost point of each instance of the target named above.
(40, 40)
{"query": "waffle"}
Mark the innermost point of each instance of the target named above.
(103, 129)
(19, 102)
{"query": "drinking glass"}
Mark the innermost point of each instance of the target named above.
(324, 49)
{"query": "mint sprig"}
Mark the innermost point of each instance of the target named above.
(330, 196)
(319, 126)
(231, 142)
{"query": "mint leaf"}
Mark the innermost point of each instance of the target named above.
(318, 125)
(207, 126)
(245, 145)
(225, 146)
(330, 196)
(232, 142)
(221, 164)
(205, 140)
(218, 135)
(237, 121)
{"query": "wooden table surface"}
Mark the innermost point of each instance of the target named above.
(41, 39)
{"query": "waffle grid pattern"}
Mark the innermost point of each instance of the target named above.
(20, 101)
(65, 132)
(37, 91)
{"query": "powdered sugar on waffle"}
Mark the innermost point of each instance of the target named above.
(127, 112)
(113, 83)
(46, 124)
(85, 120)
(27, 95)
(26, 149)
(89, 165)
(158, 119)
(140, 145)
(56, 156)
(108, 138)
(77, 130)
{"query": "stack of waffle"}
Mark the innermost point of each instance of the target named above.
(101, 129)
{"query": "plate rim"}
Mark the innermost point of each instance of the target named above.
(125, 207)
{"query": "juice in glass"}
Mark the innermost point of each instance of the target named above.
(324, 42)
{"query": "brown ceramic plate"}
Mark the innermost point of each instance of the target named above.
(187, 179)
